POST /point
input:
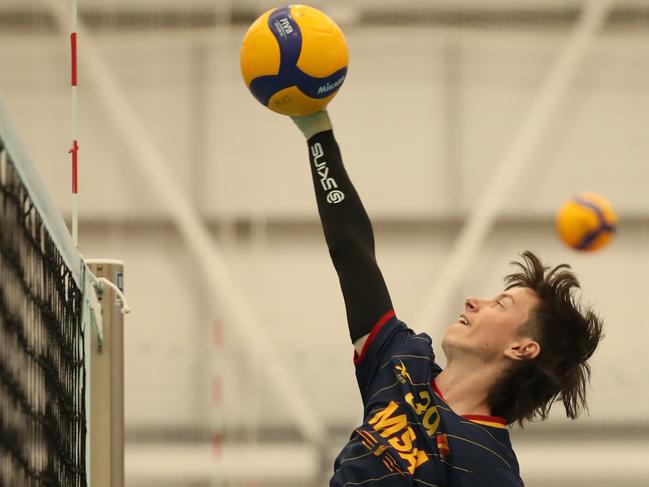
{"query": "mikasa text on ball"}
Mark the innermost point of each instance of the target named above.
(586, 222)
(294, 59)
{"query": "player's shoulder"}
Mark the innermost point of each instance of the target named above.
(402, 335)
(407, 340)
(392, 336)
(484, 441)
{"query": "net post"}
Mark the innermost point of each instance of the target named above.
(107, 382)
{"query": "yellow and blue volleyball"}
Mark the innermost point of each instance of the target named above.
(294, 59)
(586, 222)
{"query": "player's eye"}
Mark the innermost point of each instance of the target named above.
(499, 303)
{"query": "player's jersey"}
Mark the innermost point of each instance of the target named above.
(409, 435)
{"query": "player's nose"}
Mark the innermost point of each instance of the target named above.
(471, 304)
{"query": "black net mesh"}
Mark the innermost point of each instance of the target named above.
(42, 396)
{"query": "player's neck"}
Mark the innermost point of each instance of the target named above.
(465, 388)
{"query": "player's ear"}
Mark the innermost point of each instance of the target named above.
(523, 349)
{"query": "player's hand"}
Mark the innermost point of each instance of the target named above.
(313, 124)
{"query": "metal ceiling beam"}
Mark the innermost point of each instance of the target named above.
(26, 17)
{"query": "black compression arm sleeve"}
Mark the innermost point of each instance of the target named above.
(349, 236)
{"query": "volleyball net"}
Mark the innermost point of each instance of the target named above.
(48, 311)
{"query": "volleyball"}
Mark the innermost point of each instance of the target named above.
(586, 222)
(294, 59)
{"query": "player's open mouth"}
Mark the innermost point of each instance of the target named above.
(464, 321)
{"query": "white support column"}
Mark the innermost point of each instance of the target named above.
(517, 158)
(235, 311)
(106, 419)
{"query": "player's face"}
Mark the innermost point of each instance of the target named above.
(488, 328)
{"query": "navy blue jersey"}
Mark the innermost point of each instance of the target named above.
(409, 435)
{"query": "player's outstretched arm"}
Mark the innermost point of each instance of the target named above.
(347, 230)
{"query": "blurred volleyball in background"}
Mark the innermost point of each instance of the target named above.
(294, 59)
(586, 222)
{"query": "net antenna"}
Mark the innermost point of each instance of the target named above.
(106, 401)
(74, 150)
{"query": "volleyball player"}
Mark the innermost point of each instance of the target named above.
(508, 357)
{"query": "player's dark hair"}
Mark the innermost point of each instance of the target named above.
(567, 333)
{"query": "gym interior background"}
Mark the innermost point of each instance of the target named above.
(438, 94)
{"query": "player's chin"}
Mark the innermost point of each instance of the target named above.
(454, 333)
(457, 327)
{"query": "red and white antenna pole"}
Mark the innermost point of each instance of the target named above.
(74, 150)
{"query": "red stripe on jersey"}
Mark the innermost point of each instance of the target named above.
(437, 391)
(372, 336)
(486, 419)
(473, 417)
